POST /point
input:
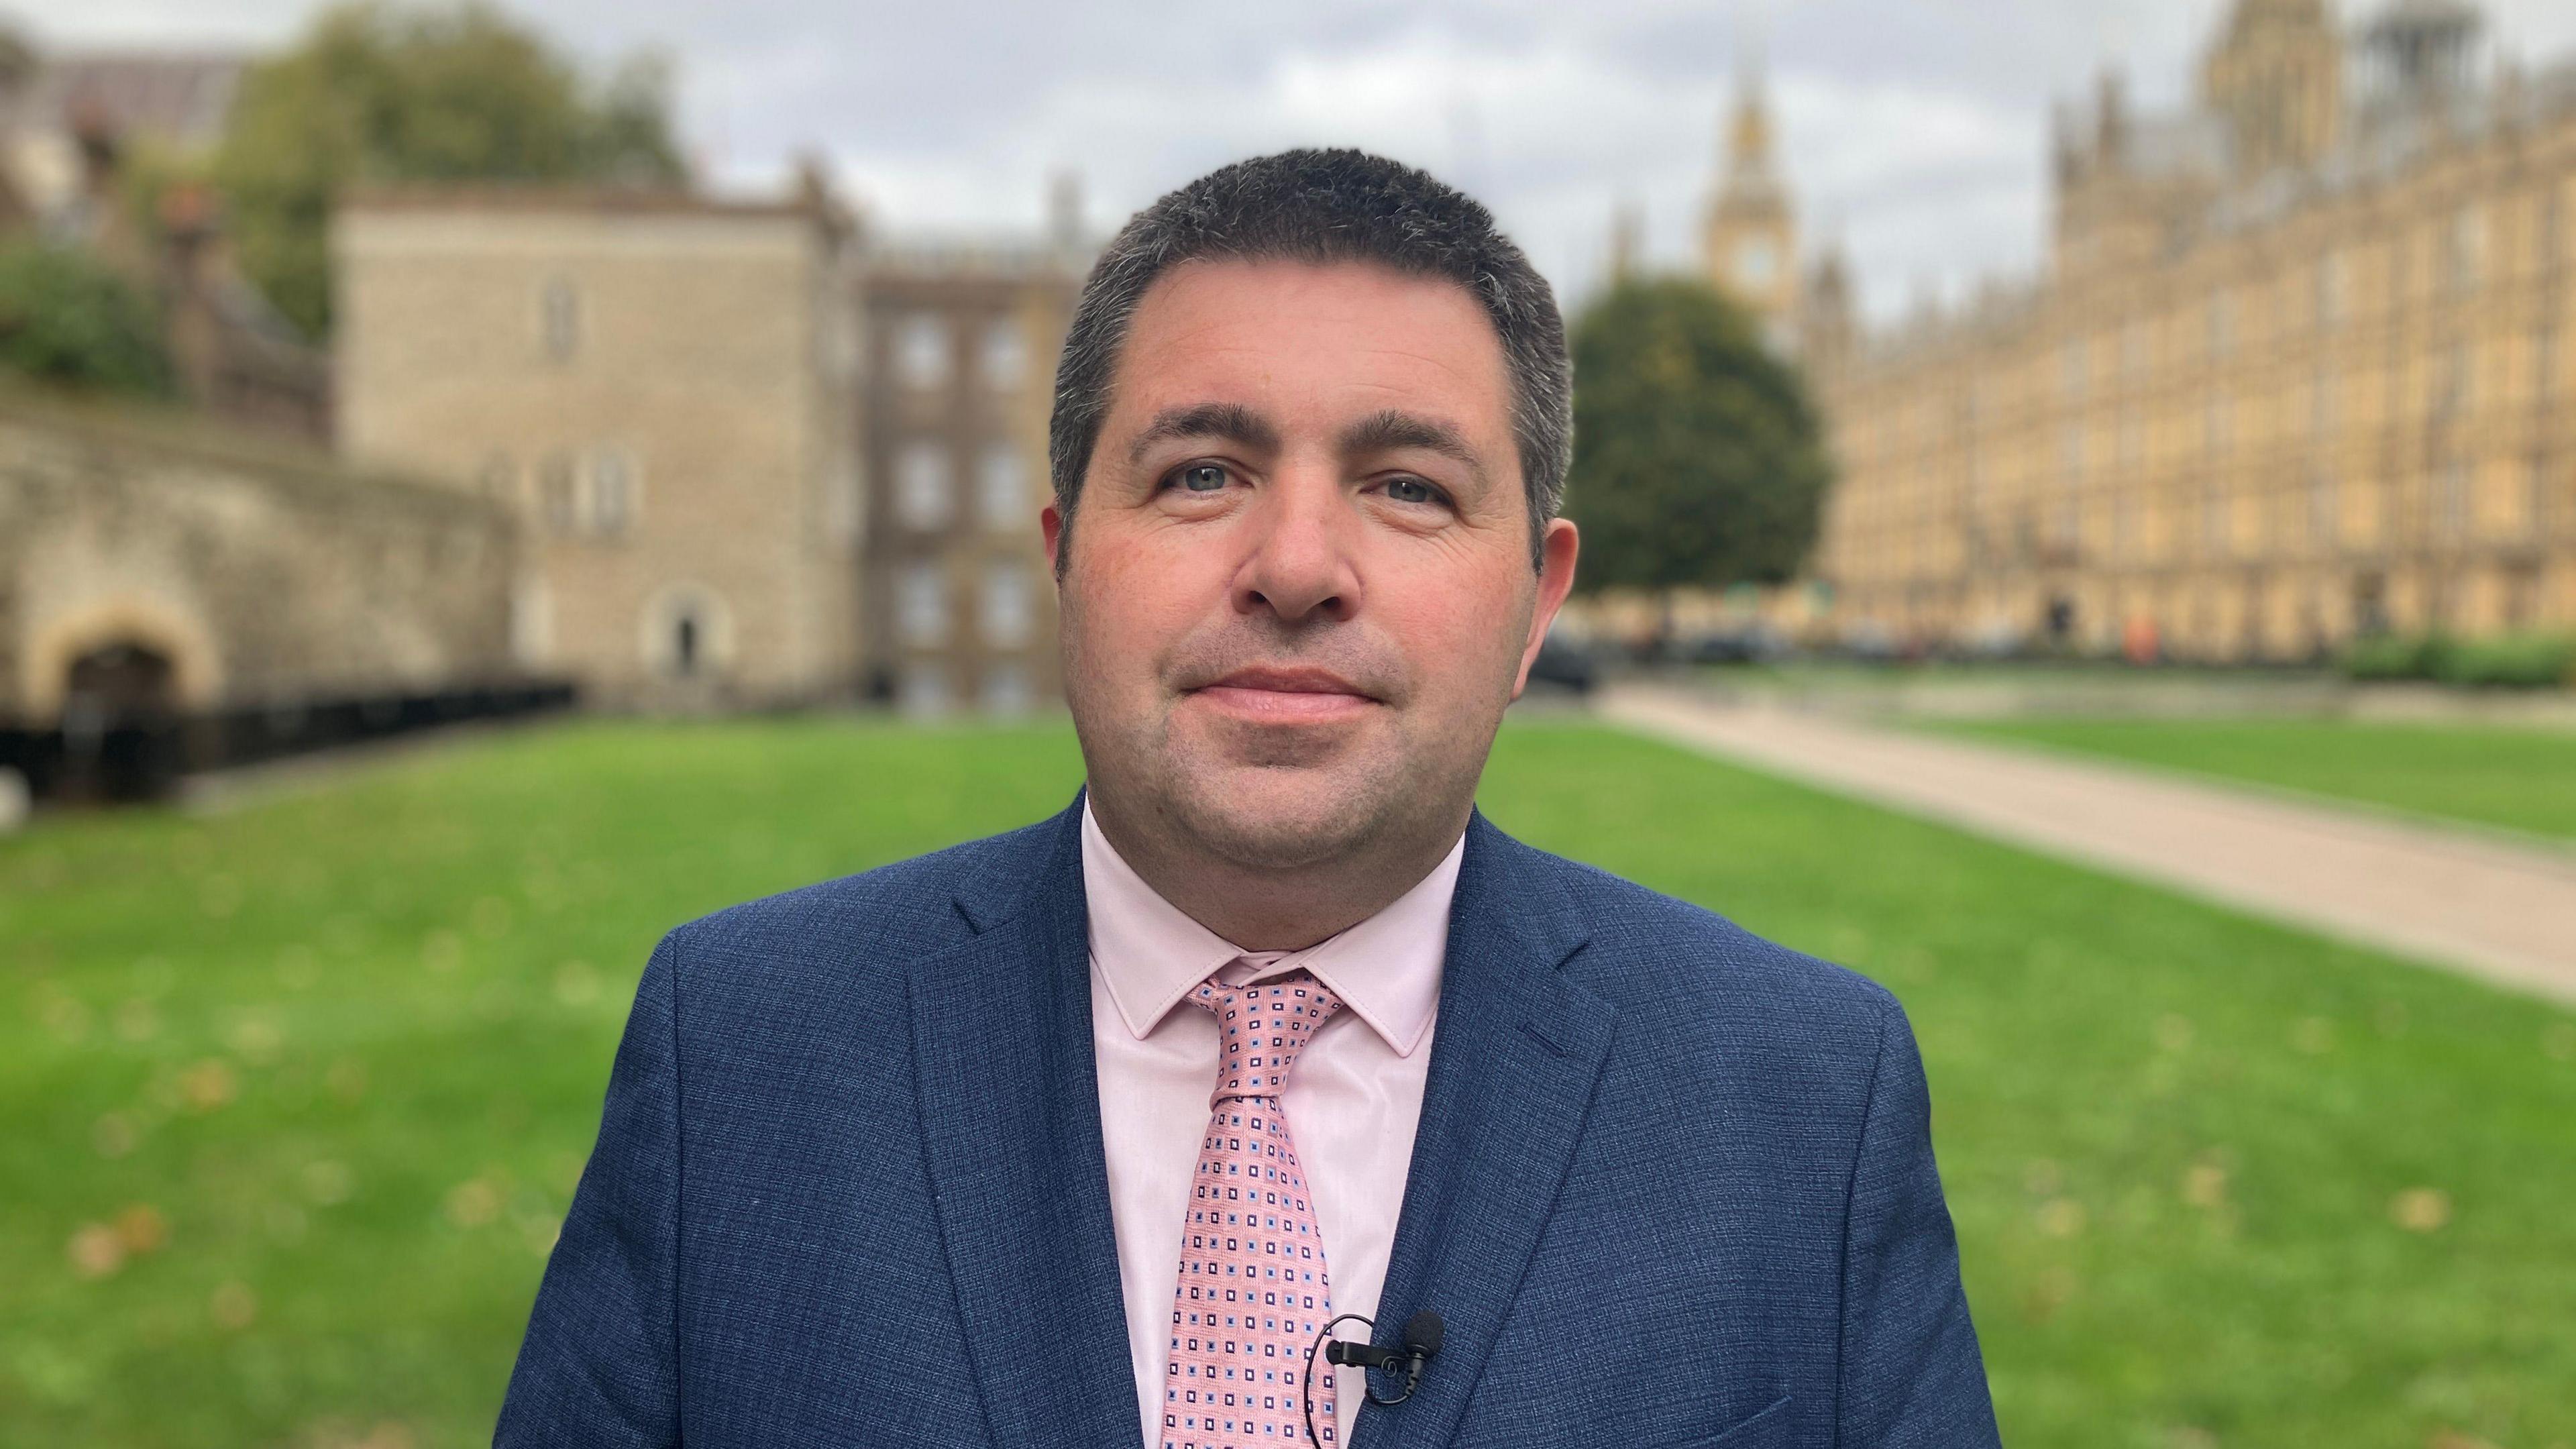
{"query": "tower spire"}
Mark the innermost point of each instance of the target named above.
(1748, 132)
(1748, 245)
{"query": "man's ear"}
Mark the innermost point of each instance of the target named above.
(1555, 580)
(1051, 528)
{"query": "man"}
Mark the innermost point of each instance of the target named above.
(1091, 1131)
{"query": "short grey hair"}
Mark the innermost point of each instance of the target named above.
(1323, 206)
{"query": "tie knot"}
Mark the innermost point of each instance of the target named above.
(1263, 1027)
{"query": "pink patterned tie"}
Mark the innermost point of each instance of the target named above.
(1253, 1290)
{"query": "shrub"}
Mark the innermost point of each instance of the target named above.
(2512, 661)
(2507, 661)
(2396, 656)
(66, 319)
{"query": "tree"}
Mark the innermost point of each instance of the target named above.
(1698, 460)
(376, 94)
(65, 318)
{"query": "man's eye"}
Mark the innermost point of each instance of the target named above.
(1411, 490)
(1202, 477)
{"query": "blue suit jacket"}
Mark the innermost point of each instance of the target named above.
(1673, 1184)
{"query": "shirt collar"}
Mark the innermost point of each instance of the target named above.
(1151, 954)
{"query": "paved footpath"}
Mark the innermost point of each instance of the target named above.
(2478, 903)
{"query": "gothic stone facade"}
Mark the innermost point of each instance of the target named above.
(2297, 372)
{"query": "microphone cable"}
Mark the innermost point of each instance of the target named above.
(1422, 1335)
(1312, 1349)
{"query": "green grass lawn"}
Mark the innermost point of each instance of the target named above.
(291, 1098)
(1832, 673)
(2523, 779)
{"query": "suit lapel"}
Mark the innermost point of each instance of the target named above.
(1514, 1056)
(1010, 1114)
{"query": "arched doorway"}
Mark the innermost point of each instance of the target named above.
(120, 723)
(687, 639)
(684, 644)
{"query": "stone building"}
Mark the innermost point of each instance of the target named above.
(958, 379)
(661, 388)
(2295, 370)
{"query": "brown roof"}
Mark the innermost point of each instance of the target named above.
(553, 196)
(176, 97)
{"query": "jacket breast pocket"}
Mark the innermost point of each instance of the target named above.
(1766, 1430)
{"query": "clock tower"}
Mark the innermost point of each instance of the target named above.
(1748, 245)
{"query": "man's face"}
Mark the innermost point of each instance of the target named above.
(1299, 590)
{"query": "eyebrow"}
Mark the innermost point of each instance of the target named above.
(1231, 421)
(1393, 428)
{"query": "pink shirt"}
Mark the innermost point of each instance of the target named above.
(1352, 1101)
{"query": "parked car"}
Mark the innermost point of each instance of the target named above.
(1565, 663)
(1755, 644)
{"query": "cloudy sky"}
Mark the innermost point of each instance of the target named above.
(1913, 130)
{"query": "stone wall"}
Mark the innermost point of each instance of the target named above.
(262, 575)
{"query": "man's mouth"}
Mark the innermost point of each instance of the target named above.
(1286, 695)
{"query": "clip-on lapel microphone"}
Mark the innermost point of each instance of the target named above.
(1422, 1334)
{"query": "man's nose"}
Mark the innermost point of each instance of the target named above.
(1301, 566)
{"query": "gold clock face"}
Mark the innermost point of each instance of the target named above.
(1757, 261)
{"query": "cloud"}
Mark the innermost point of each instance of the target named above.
(1913, 130)
(1553, 134)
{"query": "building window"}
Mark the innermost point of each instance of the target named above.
(2464, 248)
(921, 485)
(557, 494)
(2070, 367)
(921, 351)
(2222, 324)
(2455, 498)
(1006, 356)
(921, 605)
(2451, 378)
(499, 479)
(532, 620)
(1009, 605)
(999, 494)
(559, 318)
(2334, 283)
(2325, 512)
(1006, 688)
(612, 492)
(924, 688)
